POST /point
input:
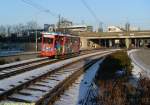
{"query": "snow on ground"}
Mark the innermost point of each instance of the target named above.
(9, 83)
(139, 67)
(87, 80)
(77, 93)
(7, 102)
(21, 62)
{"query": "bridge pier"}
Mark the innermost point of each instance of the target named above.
(142, 43)
(110, 43)
(84, 43)
(127, 42)
(97, 44)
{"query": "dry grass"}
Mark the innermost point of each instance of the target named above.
(118, 91)
(112, 63)
(2, 61)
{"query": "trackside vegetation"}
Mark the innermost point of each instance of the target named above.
(2, 61)
(114, 89)
(118, 62)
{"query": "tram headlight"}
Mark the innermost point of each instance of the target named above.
(43, 49)
(48, 49)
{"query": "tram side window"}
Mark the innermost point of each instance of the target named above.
(48, 40)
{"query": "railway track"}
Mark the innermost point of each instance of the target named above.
(34, 88)
(83, 90)
(37, 85)
(5, 73)
(27, 65)
(21, 63)
(47, 87)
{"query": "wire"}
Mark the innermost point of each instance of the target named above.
(39, 7)
(90, 10)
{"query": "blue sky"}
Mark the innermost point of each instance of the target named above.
(110, 12)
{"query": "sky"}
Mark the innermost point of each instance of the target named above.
(109, 12)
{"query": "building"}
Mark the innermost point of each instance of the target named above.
(64, 23)
(115, 29)
(80, 28)
(77, 28)
(127, 27)
(68, 26)
(134, 29)
(49, 27)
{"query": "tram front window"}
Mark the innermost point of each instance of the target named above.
(48, 40)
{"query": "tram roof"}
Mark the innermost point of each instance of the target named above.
(58, 34)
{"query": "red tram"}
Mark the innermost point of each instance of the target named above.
(56, 44)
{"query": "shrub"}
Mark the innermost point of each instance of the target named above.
(17, 59)
(114, 62)
(2, 61)
(121, 92)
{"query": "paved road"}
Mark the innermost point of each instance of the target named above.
(141, 62)
(144, 55)
(141, 58)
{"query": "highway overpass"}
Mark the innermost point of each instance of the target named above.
(114, 39)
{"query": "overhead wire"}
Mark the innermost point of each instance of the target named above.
(91, 11)
(39, 7)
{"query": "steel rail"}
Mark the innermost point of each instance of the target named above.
(28, 82)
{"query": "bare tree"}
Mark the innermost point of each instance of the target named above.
(2, 31)
(18, 29)
(22, 27)
(32, 25)
(9, 30)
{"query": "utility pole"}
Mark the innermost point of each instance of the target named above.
(59, 17)
(127, 40)
(36, 36)
(36, 33)
(36, 41)
(100, 29)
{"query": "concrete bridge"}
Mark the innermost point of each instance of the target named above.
(114, 39)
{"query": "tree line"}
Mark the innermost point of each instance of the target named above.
(8, 30)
